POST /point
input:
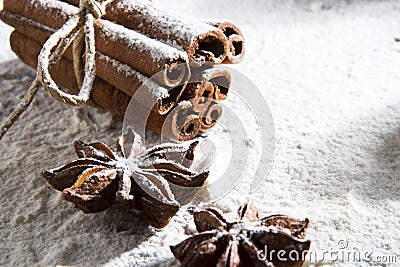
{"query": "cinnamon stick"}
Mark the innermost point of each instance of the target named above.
(202, 41)
(120, 75)
(146, 55)
(200, 94)
(210, 116)
(102, 95)
(179, 124)
(220, 78)
(235, 37)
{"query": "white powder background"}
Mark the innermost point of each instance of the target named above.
(330, 72)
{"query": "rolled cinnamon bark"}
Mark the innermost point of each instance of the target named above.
(179, 124)
(200, 94)
(220, 78)
(235, 37)
(120, 75)
(202, 41)
(185, 126)
(146, 55)
(210, 116)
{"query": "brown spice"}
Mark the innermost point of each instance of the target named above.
(136, 178)
(245, 242)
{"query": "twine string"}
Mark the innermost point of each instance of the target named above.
(78, 31)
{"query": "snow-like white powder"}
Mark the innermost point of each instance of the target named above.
(185, 104)
(156, 188)
(155, 89)
(69, 9)
(329, 70)
(158, 50)
(159, 91)
(123, 68)
(167, 23)
(208, 74)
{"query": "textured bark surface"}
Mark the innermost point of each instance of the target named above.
(146, 55)
(178, 125)
(200, 40)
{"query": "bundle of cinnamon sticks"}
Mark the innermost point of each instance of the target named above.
(134, 41)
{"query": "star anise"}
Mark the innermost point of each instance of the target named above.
(152, 183)
(276, 240)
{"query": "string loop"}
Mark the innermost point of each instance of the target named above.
(79, 31)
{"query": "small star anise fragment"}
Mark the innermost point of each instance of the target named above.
(252, 240)
(151, 183)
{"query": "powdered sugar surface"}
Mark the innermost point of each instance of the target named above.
(156, 90)
(69, 9)
(159, 51)
(124, 68)
(185, 104)
(329, 70)
(187, 30)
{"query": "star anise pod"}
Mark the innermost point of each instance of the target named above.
(276, 240)
(152, 183)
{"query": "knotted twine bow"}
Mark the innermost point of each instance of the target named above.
(79, 31)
